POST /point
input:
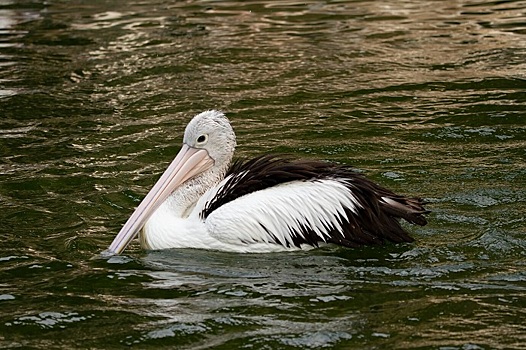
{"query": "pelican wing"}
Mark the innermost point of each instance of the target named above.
(292, 203)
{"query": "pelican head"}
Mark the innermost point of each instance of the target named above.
(208, 146)
(211, 131)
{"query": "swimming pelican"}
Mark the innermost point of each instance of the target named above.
(270, 203)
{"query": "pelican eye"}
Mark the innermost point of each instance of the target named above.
(202, 138)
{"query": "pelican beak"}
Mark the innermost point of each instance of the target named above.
(188, 163)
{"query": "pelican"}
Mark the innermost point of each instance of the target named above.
(271, 203)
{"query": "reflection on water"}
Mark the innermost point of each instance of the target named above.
(424, 97)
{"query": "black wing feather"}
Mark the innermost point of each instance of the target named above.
(377, 221)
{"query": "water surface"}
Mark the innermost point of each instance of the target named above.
(425, 97)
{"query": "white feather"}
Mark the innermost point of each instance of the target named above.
(240, 225)
(282, 210)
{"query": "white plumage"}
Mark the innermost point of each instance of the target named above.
(244, 225)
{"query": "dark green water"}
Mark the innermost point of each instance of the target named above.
(425, 97)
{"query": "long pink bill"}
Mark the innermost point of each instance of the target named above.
(188, 163)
